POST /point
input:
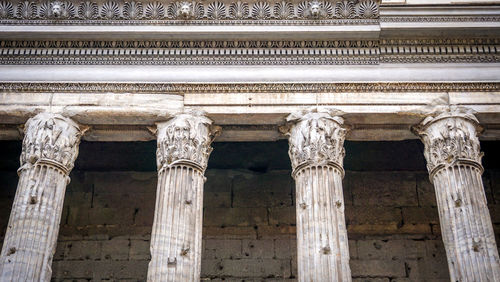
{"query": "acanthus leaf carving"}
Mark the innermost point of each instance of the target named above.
(185, 138)
(316, 137)
(51, 137)
(450, 135)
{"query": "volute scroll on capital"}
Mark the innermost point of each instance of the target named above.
(185, 139)
(450, 136)
(316, 137)
(51, 139)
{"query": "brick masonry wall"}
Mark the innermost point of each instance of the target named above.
(249, 225)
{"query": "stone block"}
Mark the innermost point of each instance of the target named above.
(212, 268)
(263, 190)
(271, 268)
(372, 215)
(115, 249)
(381, 249)
(425, 190)
(121, 183)
(79, 182)
(393, 189)
(380, 268)
(73, 269)
(79, 199)
(110, 216)
(77, 216)
(428, 268)
(60, 250)
(83, 250)
(139, 250)
(371, 280)
(224, 249)
(282, 216)
(285, 248)
(216, 199)
(391, 249)
(120, 270)
(353, 249)
(418, 215)
(218, 180)
(235, 216)
(258, 248)
(276, 232)
(230, 232)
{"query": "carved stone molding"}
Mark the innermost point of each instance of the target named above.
(249, 52)
(450, 136)
(186, 138)
(76, 87)
(316, 137)
(186, 12)
(51, 139)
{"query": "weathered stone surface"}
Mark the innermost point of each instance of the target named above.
(453, 155)
(391, 189)
(269, 190)
(316, 140)
(258, 249)
(50, 148)
(182, 157)
(378, 268)
(235, 216)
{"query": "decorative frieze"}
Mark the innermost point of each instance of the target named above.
(185, 12)
(249, 52)
(75, 87)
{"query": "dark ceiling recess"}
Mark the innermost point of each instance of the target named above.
(256, 156)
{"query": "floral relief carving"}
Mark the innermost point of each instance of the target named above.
(185, 138)
(316, 137)
(53, 138)
(6, 10)
(111, 11)
(450, 136)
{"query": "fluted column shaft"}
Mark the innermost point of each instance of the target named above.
(182, 156)
(50, 147)
(316, 139)
(453, 157)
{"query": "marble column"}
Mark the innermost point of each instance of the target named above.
(49, 150)
(182, 156)
(453, 159)
(316, 139)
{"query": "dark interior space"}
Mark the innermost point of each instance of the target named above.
(256, 156)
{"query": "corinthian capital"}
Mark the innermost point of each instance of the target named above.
(316, 137)
(52, 139)
(185, 138)
(450, 136)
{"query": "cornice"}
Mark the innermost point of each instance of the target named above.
(181, 88)
(249, 52)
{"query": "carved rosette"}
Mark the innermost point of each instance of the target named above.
(450, 137)
(51, 139)
(186, 138)
(316, 137)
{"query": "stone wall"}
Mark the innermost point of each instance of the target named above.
(249, 225)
